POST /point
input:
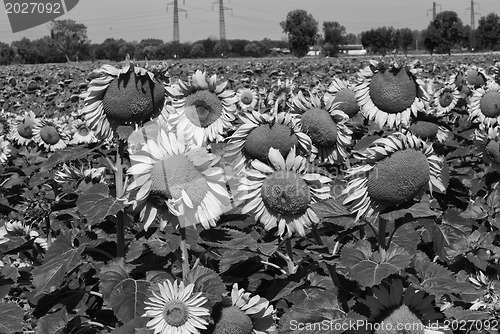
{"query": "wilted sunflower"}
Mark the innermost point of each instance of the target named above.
(82, 133)
(50, 135)
(130, 95)
(429, 127)
(326, 125)
(4, 150)
(389, 93)
(487, 143)
(446, 98)
(343, 94)
(204, 109)
(247, 98)
(392, 308)
(244, 314)
(175, 309)
(174, 178)
(259, 132)
(22, 129)
(281, 194)
(485, 104)
(396, 169)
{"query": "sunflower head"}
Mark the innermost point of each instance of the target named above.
(232, 320)
(347, 102)
(263, 137)
(475, 77)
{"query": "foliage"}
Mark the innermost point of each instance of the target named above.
(379, 40)
(70, 38)
(488, 31)
(444, 32)
(335, 35)
(404, 39)
(301, 28)
(6, 54)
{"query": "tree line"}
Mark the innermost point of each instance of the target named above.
(68, 41)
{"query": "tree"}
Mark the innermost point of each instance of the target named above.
(301, 28)
(379, 40)
(351, 39)
(6, 54)
(197, 50)
(444, 32)
(488, 31)
(26, 51)
(70, 38)
(334, 36)
(404, 39)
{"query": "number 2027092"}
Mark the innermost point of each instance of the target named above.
(33, 8)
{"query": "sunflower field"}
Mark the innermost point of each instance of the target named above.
(346, 195)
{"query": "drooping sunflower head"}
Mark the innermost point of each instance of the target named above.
(429, 127)
(487, 144)
(204, 110)
(475, 77)
(50, 135)
(175, 179)
(446, 98)
(243, 314)
(343, 94)
(22, 129)
(260, 132)
(130, 95)
(280, 194)
(485, 104)
(325, 125)
(389, 93)
(396, 169)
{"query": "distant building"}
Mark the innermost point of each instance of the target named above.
(352, 49)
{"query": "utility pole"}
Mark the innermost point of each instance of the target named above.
(222, 24)
(176, 19)
(472, 24)
(434, 10)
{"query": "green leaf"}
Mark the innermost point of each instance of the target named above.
(207, 281)
(53, 323)
(370, 268)
(11, 316)
(127, 299)
(68, 154)
(132, 326)
(111, 275)
(227, 238)
(163, 247)
(96, 204)
(60, 259)
(329, 208)
(443, 235)
(407, 238)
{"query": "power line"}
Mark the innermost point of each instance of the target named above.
(176, 19)
(472, 23)
(434, 10)
(222, 24)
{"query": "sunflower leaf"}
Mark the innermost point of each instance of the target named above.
(208, 282)
(329, 208)
(133, 327)
(227, 238)
(96, 204)
(60, 259)
(370, 268)
(52, 323)
(12, 318)
(68, 154)
(112, 274)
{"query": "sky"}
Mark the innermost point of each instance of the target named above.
(134, 20)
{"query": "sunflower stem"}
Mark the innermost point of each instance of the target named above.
(289, 252)
(49, 234)
(184, 254)
(331, 268)
(120, 225)
(382, 229)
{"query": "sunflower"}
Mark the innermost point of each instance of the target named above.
(4, 150)
(82, 133)
(131, 95)
(392, 308)
(429, 127)
(247, 98)
(487, 143)
(259, 132)
(396, 169)
(176, 309)
(172, 178)
(325, 124)
(485, 104)
(50, 135)
(389, 93)
(244, 314)
(475, 77)
(22, 129)
(343, 94)
(446, 98)
(204, 109)
(281, 194)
